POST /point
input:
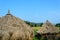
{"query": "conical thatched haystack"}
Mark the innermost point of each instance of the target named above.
(12, 28)
(48, 31)
(47, 28)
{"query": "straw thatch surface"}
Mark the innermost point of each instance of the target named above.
(12, 28)
(47, 28)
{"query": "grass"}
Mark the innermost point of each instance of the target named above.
(58, 28)
(36, 28)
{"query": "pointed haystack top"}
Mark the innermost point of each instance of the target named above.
(47, 21)
(47, 28)
(8, 12)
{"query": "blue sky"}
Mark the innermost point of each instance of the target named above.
(32, 10)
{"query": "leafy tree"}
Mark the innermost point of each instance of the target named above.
(57, 25)
(32, 24)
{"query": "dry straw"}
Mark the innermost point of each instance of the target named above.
(12, 28)
(47, 28)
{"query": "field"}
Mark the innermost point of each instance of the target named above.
(36, 28)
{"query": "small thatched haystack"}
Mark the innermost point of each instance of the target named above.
(14, 28)
(48, 31)
(47, 28)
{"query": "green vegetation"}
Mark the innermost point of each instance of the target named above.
(32, 24)
(57, 25)
(37, 26)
